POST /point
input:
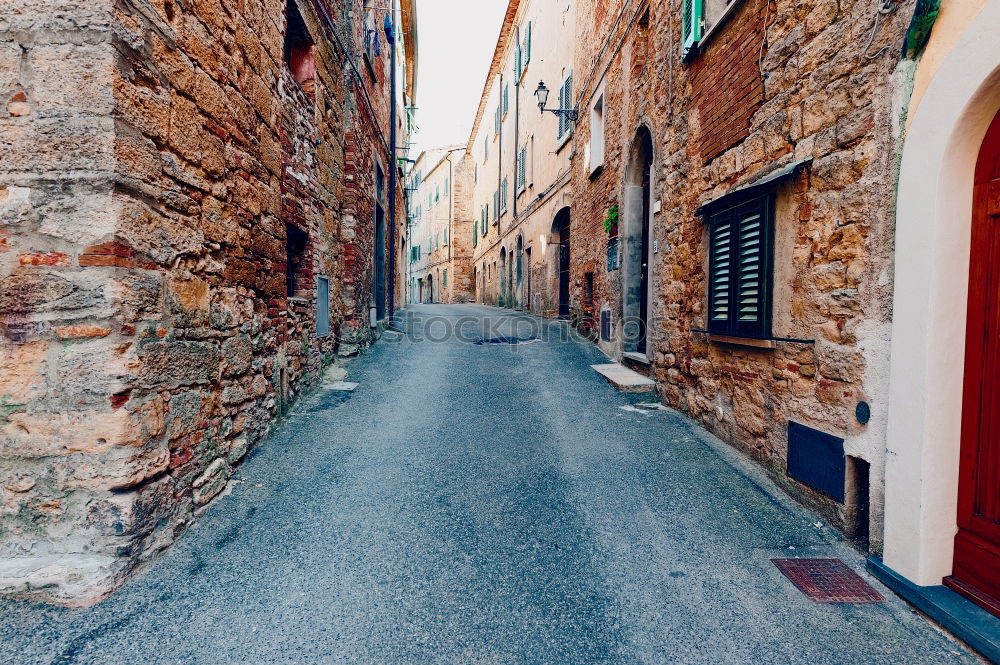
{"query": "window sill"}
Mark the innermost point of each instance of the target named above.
(596, 171)
(640, 358)
(562, 141)
(716, 27)
(743, 341)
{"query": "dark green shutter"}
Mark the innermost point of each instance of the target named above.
(740, 264)
(691, 22)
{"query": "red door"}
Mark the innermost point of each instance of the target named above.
(977, 546)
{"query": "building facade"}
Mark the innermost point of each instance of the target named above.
(521, 160)
(189, 216)
(440, 227)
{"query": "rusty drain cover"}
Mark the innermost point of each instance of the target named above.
(828, 581)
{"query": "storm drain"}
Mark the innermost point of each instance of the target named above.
(827, 581)
(513, 341)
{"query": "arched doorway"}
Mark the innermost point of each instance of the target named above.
(933, 230)
(560, 227)
(637, 222)
(976, 568)
(502, 301)
(518, 273)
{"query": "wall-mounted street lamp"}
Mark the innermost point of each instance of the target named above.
(542, 95)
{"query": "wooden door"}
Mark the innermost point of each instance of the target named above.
(976, 571)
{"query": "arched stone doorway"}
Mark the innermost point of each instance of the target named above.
(636, 237)
(561, 243)
(519, 273)
(502, 299)
(931, 287)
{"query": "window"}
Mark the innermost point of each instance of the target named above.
(496, 121)
(506, 98)
(597, 134)
(296, 264)
(522, 168)
(486, 150)
(526, 47)
(739, 275)
(430, 200)
(698, 18)
(322, 307)
(496, 205)
(446, 185)
(485, 214)
(437, 241)
(437, 193)
(299, 50)
(446, 236)
(565, 102)
(475, 232)
(444, 279)
(503, 195)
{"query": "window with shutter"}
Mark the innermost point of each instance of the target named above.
(496, 121)
(506, 98)
(740, 265)
(475, 232)
(692, 24)
(565, 102)
(522, 169)
(496, 205)
(503, 195)
(526, 49)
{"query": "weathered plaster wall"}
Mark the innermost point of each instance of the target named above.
(803, 89)
(156, 154)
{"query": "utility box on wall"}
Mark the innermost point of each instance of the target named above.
(817, 459)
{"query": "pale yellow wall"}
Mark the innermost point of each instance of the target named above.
(953, 20)
(548, 159)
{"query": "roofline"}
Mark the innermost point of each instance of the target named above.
(495, 66)
(447, 150)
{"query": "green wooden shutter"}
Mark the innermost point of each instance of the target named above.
(522, 170)
(720, 273)
(475, 232)
(527, 44)
(693, 13)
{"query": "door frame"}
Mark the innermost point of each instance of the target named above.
(923, 398)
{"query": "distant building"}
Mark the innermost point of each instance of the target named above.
(440, 227)
(521, 163)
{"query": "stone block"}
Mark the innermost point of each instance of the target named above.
(175, 364)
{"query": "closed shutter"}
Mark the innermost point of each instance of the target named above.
(475, 232)
(721, 256)
(740, 260)
(322, 307)
(522, 171)
(518, 62)
(496, 204)
(506, 97)
(565, 102)
(503, 194)
(526, 51)
(691, 22)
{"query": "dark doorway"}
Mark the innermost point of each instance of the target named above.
(379, 286)
(638, 195)
(561, 226)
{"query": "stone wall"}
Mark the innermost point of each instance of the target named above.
(163, 166)
(750, 101)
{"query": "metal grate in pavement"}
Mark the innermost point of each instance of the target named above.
(827, 581)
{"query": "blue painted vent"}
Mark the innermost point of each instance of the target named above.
(817, 459)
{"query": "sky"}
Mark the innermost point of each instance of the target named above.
(456, 39)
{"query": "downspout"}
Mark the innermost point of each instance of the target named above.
(392, 175)
(517, 128)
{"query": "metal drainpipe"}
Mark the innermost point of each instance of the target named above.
(517, 127)
(392, 173)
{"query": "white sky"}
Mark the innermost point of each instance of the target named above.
(456, 39)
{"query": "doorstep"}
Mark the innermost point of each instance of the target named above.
(963, 618)
(624, 379)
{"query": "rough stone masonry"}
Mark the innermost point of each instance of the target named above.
(170, 192)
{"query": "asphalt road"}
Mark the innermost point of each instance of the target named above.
(484, 505)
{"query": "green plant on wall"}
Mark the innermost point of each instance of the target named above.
(611, 221)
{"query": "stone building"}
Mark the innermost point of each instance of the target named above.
(188, 203)
(440, 227)
(737, 236)
(521, 162)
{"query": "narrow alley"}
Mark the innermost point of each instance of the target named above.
(548, 520)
